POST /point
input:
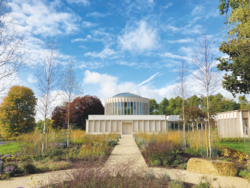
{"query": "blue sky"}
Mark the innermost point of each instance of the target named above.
(120, 46)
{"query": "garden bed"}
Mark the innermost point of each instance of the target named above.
(162, 152)
(82, 151)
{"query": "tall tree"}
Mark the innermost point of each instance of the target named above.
(237, 47)
(17, 111)
(181, 90)
(153, 107)
(48, 76)
(81, 107)
(11, 47)
(58, 116)
(244, 103)
(163, 106)
(71, 89)
(40, 124)
(205, 74)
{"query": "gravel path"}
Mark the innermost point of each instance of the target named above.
(126, 158)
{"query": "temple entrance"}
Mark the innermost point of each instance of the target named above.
(126, 128)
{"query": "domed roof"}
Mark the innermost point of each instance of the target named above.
(126, 94)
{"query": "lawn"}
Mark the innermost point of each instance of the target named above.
(240, 146)
(10, 148)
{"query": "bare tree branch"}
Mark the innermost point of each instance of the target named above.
(11, 48)
(48, 76)
(181, 90)
(205, 73)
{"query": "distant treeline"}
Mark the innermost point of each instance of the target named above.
(218, 103)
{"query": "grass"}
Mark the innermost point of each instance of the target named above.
(10, 148)
(240, 146)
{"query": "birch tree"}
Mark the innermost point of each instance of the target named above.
(181, 90)
(205, 74)
(71, 89)
(48, 77)
(11, 48)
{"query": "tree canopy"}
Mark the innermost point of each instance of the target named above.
(218, 103)
(237, 47)
(80, 108)
(17, 111)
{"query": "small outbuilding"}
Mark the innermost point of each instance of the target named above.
(234, 124)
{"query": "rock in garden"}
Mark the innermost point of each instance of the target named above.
(213, 167)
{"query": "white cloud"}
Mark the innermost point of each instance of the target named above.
(84, 2)
(149, 79)
(139, 39)
(91, 65)
(103, 54)
(36, 17)
(197, 10)
(88, 24)
(168, 5)
(187, 40)
(83, 47)
(88, 37)
(151, 1)
(96, 14)
(173, 56)
(31, 79)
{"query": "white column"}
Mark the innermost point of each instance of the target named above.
(87, 126)
(241, 124)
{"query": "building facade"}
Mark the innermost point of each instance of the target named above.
(127, 113)
(234, 123)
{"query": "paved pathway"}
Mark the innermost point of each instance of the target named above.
(127, 152)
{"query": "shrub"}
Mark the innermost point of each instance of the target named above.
(160, 153)
(11, 170)
(29, 168)
(203, 185)
(165, 177)
(184, 166)
(149, 176)
(112, 142)
(176, 184)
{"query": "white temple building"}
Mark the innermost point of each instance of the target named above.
(127, 113)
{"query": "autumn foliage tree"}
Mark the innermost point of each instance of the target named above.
(17, 111)
(81, 107)
(58, 117)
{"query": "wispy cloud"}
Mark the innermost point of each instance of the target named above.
(187, 40)
(96, 14)
(197, 10)
(88, 24)
(103, 54)
(173, 56)
(168, 5)
(84, 2)
(88, 37)
(148, 80)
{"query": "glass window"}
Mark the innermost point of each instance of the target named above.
(125, 108)
(139, 105)
(137, 108)
(119, 108)
(114, 108)
(122, 108)
(245, 127)
(142, 110)
(132, 108)
(128, 108)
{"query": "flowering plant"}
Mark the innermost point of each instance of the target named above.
(10, 170)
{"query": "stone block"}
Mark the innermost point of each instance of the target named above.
(212, 167)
